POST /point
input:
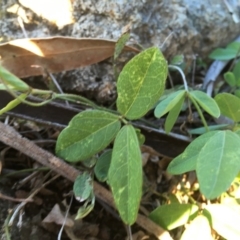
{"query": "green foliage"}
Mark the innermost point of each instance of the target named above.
(206, 102)
(218, 163)
(83, 187)
(199, 228)
(214, 155)
(173, 115)
(225, 220)
(11, 81)
(173, 215)
(229, 105)
(228, 53)
(173, 104)
(102, 166)
(83, 191)
(13, 103)
(233, 79)
(88, 133)
(168, 103)
(141, 83)
(125, 174)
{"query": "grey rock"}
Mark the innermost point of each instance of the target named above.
(187, 27)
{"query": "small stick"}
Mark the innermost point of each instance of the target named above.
(12, 138)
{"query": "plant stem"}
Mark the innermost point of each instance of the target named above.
(182, 74)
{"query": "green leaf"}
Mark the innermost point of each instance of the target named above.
(206, 102)
(202, 130)
(90, 162)
(168, 103)
(225, 220)
(13, 103)
(141, 83)
(140, 136)
(223, 54)
(173, 115)
(218, 163)
(83, 186)
(87, 207)
(125, 174)
(237, 93)
(229, 105)
(186, 161)
(9, 79)
(173, 215)
(88, 133)
(236, 72)
(84, 210)
(4, 87)
(234, 45)
(198, 229)
(120, 44)
(102, 166)
(230, 79)
(177, 60)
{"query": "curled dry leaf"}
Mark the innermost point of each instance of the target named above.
(30, 57)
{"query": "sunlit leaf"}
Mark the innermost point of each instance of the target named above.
(88, 133)
(173, 215)
(206, 102)
(225, 220)
(218, 163)
(168, 103)
(198, 229)
(229, 105)
(125, 174)
(141, 83)
(186, 161)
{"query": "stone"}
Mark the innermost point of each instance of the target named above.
(189, 27)
(186, 27)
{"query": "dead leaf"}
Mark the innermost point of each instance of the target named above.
(29, 57)
(56, 216)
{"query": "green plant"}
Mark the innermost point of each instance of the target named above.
(139, 86)
(214, 155)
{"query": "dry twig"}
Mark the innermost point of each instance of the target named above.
(12, 138)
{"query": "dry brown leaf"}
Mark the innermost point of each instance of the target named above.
(29, 57)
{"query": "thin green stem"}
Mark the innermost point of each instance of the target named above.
(75, 98)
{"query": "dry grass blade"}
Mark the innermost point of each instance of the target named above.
(29, 57)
